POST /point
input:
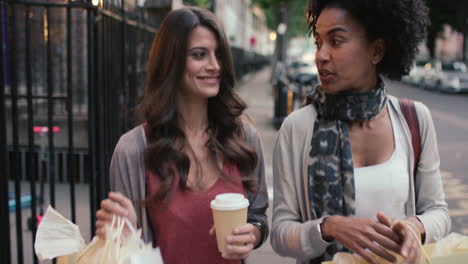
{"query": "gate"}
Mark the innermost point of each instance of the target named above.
(70, 74)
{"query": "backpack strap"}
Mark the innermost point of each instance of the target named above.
(411, 117)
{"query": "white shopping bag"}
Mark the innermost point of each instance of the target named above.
(56, 236)
(59, 238)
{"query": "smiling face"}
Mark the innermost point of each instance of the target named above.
(346, 60)
(202, 68)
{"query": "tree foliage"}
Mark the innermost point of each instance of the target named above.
(296, 14)
(298, 18)
(453, 13)
(200, 3)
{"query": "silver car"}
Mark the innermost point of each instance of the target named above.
(418, 71)
(450, 77)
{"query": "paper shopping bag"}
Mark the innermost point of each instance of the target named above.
(68, 259)
(453, 249)
(59, 238)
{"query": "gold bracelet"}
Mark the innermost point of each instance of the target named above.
(415, 232)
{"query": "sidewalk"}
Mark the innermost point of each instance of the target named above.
(257, 92)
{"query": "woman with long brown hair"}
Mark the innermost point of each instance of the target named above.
(193, 145)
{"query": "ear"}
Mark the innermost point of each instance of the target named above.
(378, 51)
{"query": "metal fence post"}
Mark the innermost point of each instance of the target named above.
(92, 113)
(5, 253)
(37, 78)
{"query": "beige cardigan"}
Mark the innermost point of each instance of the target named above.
(127, 176)
(295, 234)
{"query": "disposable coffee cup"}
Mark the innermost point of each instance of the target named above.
(229, 211)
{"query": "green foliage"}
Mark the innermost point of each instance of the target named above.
(453, 13)
(297, 21)
(296, 18)
(201, 3)
(270, 8)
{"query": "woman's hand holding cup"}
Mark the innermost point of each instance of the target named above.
(235, 237)
(241, 242)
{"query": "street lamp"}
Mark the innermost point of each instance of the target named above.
(273, 36)
(282, 28)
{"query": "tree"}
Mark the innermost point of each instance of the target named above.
(200, 3)
(270, 8)
(289, 12)
(453, 13)
(296, 14)
(298, 18)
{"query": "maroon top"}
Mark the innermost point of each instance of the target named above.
(181, 229)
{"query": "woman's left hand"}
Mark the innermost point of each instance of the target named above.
(241, 241)
(410, 246)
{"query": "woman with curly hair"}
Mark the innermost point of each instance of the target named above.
(344, 168)
(194, 144)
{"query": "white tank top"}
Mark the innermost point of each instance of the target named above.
(384, 187)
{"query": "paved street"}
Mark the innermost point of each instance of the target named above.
(450, 115)
(257, 93)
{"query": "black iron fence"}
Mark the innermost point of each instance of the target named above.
(247, 61)
(70, 75)
(39, 165)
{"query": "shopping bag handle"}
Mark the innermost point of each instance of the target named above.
(130, 225)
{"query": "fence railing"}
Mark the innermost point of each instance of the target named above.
(71, 65)
(41, 166)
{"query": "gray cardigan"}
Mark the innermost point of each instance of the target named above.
(127, 176)
(294, 233)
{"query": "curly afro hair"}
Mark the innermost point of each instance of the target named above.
(402, 24)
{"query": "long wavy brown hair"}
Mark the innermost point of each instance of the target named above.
(166, 140)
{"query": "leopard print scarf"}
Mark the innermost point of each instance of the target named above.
(331, 171)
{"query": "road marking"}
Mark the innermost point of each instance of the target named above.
(270, 193)
(269, 176)
(454, 120)
(455, 190)
(458, 212)
(445, 174)
(449, 195)
(451, 181)
(463, 204)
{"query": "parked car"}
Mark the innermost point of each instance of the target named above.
(447, 77)
(453, 77)
(429, 79)
(418, 71)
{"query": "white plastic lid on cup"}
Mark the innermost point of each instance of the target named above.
(229, 201)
